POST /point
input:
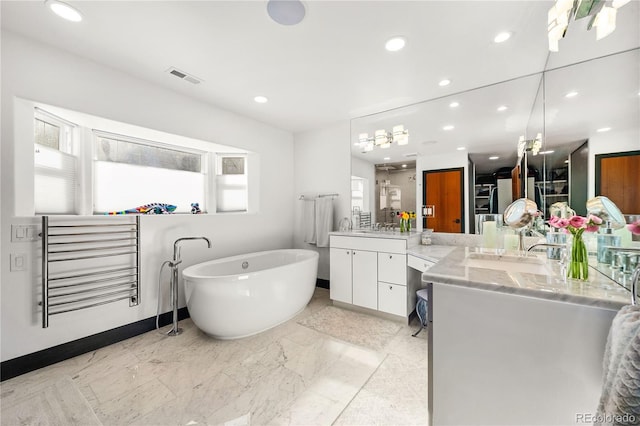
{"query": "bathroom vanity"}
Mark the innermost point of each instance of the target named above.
(369, 271)
(513, 343)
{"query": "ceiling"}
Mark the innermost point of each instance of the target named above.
(330, 67)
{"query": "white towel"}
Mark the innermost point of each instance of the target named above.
(324, 220)
(621, 376)
(309, 221)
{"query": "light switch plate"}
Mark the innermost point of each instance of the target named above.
(24, 233)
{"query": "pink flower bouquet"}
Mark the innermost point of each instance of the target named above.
(576, 225)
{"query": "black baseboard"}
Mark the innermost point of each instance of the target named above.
(322, 283)
(26, 363)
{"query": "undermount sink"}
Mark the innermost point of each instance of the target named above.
(507, 263)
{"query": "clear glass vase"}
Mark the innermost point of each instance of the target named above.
(578, 267)
(403, 225)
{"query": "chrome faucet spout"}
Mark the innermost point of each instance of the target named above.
(553, 245)
(176, 246)
(563, 256)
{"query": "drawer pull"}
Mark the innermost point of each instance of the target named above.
(390, 257)
(390, 288)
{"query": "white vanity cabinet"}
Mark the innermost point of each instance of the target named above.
(354, 276)
(372, 273)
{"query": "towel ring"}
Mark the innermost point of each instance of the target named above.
(634, 285)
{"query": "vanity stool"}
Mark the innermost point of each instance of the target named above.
(421, 309)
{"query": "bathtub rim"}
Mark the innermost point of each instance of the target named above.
(187, 273)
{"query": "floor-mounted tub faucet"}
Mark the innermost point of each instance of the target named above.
(175, 330)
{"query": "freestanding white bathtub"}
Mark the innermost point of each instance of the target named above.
(243, 295)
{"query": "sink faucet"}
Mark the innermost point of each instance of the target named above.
(553, 245)
(563, 254)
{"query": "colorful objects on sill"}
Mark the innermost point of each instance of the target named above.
(195, 208)
(152, 208)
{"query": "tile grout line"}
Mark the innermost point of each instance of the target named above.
(360, 390)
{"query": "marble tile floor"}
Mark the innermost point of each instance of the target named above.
(289, 375)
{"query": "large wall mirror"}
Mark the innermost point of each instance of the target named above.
(585, 105)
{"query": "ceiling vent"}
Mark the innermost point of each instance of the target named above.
(184, 76)
(411, 154)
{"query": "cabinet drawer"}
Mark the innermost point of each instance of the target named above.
(370, 244)
(392, 268)
(418, 263)
(392, 299)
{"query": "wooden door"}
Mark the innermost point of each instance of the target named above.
(444, 189)
(618, 178)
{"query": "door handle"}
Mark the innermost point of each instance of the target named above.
(457, 221)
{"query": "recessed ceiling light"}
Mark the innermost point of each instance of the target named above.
(261, 99)
(448, 127)
(64, 10)
(603, 129)
(395, 43)
(444, 82)
(387, 158)
(404, 165)
(454, 105)
(546, 152)
(461, 148)
(502, 108)
(502, 37)
(571, 94)
(495, 157)
(286, 12)
(566, 161)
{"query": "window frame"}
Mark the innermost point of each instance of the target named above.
(68, 147)
(204, 163)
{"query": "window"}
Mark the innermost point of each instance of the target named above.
(55, 165)
(231, 183)
(129, 172)
(81, 170)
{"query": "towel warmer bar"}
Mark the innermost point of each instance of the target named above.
(66, 246)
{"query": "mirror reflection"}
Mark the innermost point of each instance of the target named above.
(587, 117)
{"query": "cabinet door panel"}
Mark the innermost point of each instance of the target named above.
(392, 268)
(392, 299)
(365, 279)
(340, 275)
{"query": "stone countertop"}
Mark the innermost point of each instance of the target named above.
(432, 253)
(599, 291)
(395, 235)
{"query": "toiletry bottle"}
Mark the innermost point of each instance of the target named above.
(606, 237)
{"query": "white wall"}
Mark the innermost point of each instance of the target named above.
(606, 143)
(322, 165)
(40, 73)
(437, 162)
(367, 171)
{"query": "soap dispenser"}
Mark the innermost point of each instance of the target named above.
(606, 238)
